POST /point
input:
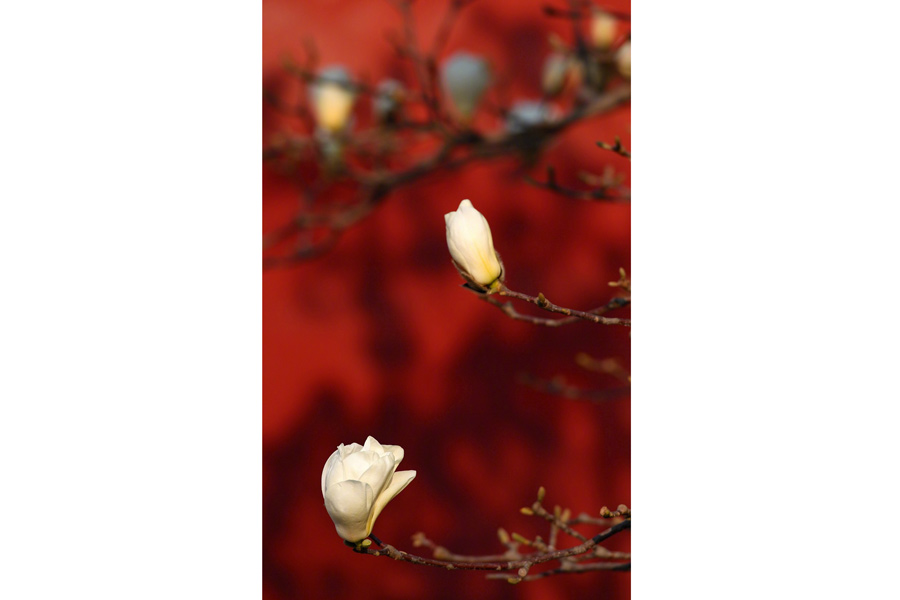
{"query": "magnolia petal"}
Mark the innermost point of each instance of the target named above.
(400, 480)
(396, 450)
(334, 459)
(356, 464)
(336, 474)
(379, 474)
(349, 504)
(372, 445)
(349, 449)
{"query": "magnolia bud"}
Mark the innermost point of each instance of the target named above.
(555, 73)
(358, 482)
(471, 246)
(332, 97)
(623, 60)
(604, 28)
(386, 102)
(526, 114)
(465, 78)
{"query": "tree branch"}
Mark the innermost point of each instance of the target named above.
(541, 302)
(501, 565)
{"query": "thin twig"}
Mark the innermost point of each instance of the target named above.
(554, 519)
(568, 570)
(510, 311)
(541, 301)
(510, 565)
(439, 552)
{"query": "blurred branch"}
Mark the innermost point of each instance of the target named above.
(600, 193)
(361, 159)
(423, 66)
(449, 20)
(607, 366)
(455, 151)
(558, 387)
(552, 11)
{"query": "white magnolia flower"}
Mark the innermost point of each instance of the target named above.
(465, 77)
(603, 29)
(471, 246)
(332, 99)
(623, 59)
(358, 482)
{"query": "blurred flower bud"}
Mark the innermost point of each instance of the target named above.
(471, 246)
(386, 104)
(604, 28)
(332, 98)
(555, 73)
(528, 113)
(358, 482)
(623, 60)
(465, 78)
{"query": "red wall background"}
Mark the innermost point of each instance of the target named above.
(378, 338)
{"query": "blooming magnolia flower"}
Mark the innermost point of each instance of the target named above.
(465, 77)
(603, 29)
(623, 59)
(358, 482)
(332, 99)
(471, 246)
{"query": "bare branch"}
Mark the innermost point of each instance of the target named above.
(509, 310)
(570, 569)
(502, 565)
(541, 302)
